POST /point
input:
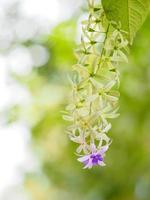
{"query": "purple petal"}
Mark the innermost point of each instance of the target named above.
(86, 162)
(89, 165)
(103, 149)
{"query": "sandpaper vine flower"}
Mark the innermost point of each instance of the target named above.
(95, 83)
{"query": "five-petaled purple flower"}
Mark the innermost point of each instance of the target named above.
(95, 158)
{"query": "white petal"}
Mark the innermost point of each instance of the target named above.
(101, 163)
(67, 118)
(103, 149)
(83, 111)
(79, 149)
(75, 139)
(93, 148)
(107, 128)
(111, 115)
(103, 137)
(110, 85)
(84, 158)
(91, 98)
(111, 98)
(96, 84)
(70, 107)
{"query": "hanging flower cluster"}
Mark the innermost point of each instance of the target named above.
(95, 82)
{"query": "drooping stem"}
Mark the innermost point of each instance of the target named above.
(103, 49)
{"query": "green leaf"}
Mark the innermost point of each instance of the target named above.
(129, 13)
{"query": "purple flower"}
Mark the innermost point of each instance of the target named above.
(95, 158)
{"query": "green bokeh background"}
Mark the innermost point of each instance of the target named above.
(60, 176)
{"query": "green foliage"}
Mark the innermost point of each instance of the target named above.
(129, 13)
(62, 34)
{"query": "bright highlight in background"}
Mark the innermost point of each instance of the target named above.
(35, 18)
(47, 9)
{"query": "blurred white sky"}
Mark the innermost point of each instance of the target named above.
(15, 152)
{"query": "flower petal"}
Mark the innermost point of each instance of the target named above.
(75, 139)
(83, 158)
(89, 165)
(93, 148)
(79, 149)
(107, 128)
(103, 149)
(101, 163)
